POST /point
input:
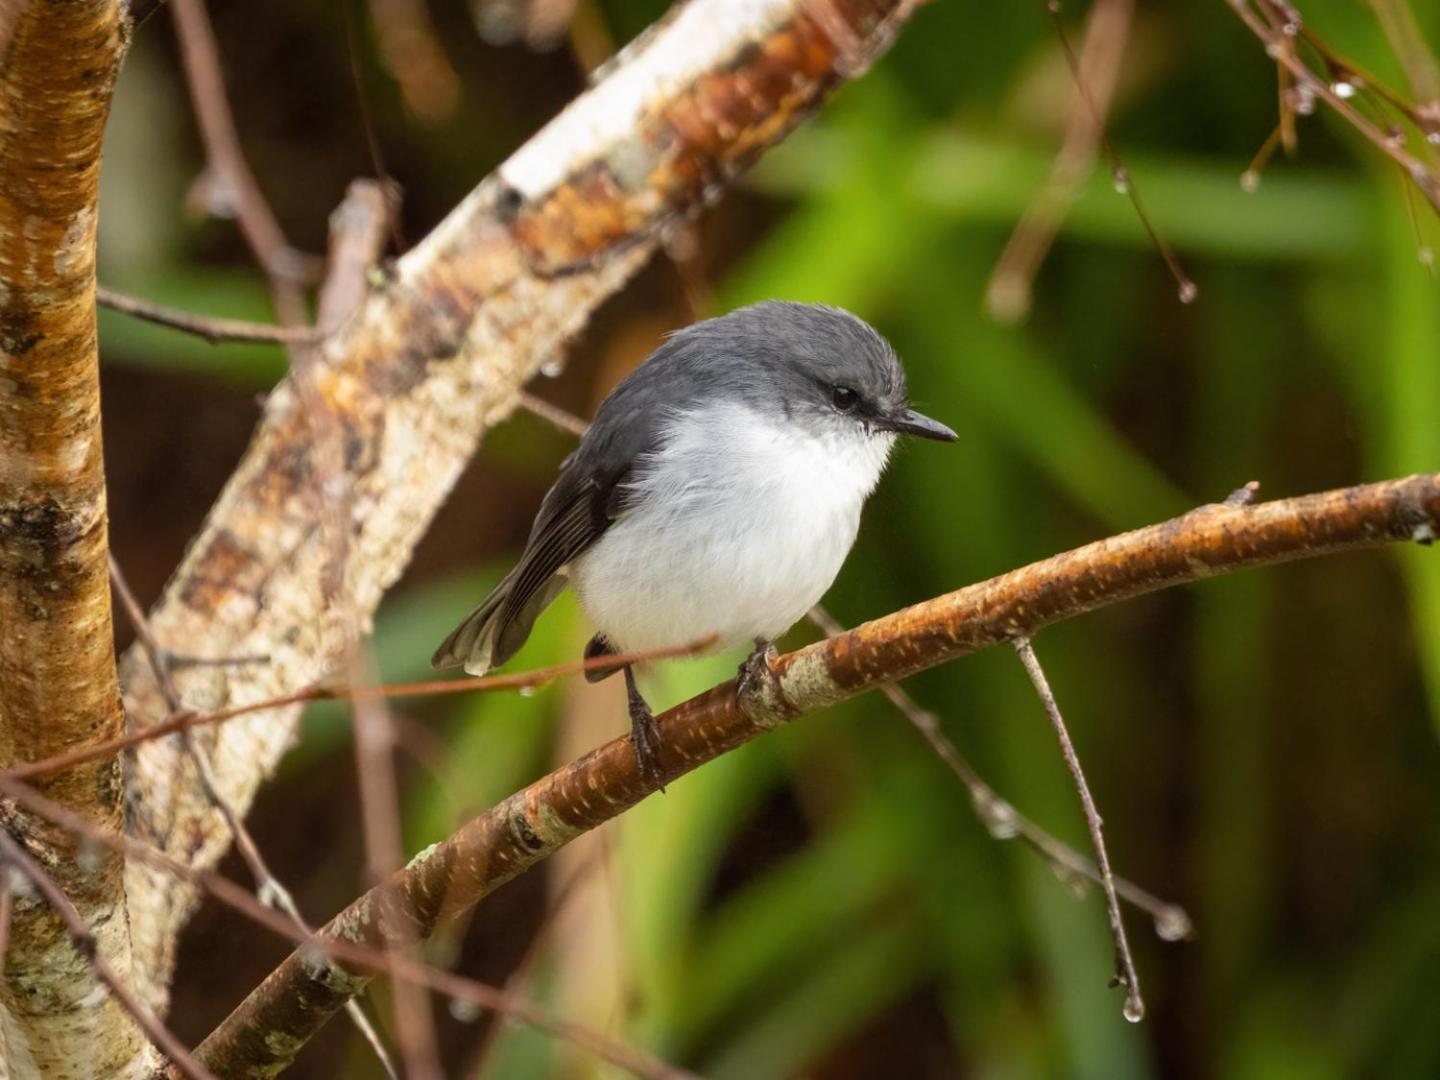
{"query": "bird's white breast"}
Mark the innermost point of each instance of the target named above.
(739, 524)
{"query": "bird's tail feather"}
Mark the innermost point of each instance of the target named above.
(486, 639)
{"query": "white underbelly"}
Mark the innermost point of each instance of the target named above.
(732, 540)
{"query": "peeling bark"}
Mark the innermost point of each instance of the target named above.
(58, 686)
(268, 1028)
(432, 359)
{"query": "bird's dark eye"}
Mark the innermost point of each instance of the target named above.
(844, 398)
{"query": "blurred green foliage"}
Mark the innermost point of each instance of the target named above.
(824, 902)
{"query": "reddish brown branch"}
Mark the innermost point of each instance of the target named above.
(185, 720)
(505, 841)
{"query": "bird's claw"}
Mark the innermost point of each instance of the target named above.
(645, 738)
(756, 674)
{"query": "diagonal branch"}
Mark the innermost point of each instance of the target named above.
(299, 996)
(435, 355)
(58, 687)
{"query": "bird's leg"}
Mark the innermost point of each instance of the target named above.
(644, 734)
(756, 670)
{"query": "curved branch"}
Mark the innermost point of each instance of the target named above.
(58, 686)
(433, 357)
(299, 996)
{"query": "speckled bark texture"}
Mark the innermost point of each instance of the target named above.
(58, 688)
(311, 530)
(448, 878)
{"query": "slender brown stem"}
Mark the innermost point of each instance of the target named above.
(183, 721)
(1172, 922)
(1279, 45)
(200, 55)
(1125, 974)
(208, 328)
(385, 851)
(13, 855)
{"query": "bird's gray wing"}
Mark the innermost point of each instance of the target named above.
(587, 497)
(576, 513)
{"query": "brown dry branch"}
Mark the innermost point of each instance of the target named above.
(300, 995)
(436, 354)
(58, 685)
(222, 889)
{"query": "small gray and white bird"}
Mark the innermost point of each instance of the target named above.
(717, 492)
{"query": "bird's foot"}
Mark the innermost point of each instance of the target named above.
(756, 678)
(644, 734)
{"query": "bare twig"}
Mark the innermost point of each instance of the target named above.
(385, 852)
(206, 327)
(1186, 289)
(186, 720)
(1172, 922)
(12, 854)
(1279, 41)
(1107, 28)
(494, 848)
(1125, 974)
(228, 170)
(553, 414)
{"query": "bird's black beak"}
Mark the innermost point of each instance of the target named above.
(910, 422)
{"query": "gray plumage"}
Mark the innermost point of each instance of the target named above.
(699, 433)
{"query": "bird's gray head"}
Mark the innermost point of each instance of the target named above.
(817, 366)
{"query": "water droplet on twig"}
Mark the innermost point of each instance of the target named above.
(1188, 291)
(1250, 181)
(1134, 1010)
(1172, 924)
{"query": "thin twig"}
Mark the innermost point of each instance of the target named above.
(271, 889)
(1107, 27)
(522, 680)
(1172, 922)
(13, 854)
(200, 55)
(385, 852)
(1186, 289)
(1279, 46)
(237, 899)
(555, 415)
(1125, 975)
(209, 328)
(7, 898)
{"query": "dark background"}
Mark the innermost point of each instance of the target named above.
(823, 902)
